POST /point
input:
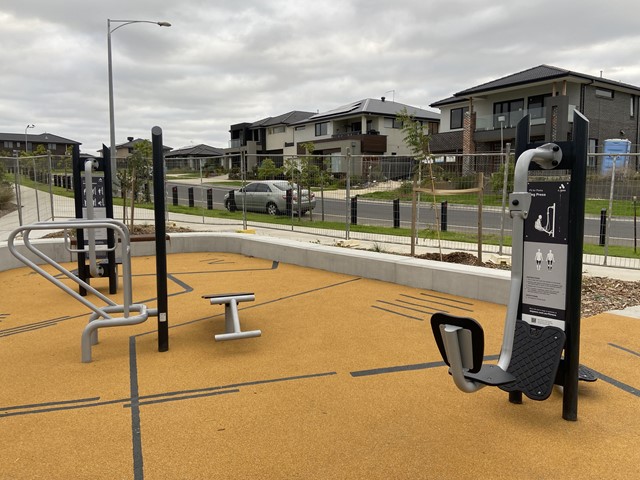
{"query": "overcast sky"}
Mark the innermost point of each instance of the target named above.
(224, 62)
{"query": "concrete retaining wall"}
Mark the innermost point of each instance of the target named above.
(472, 282)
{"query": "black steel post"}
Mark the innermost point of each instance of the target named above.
(191, 198)
(396, 213)
(209, 199)
(78, 197)
(354, 210)
(161, 245)
(574, 266)
(443, 216)
(174, 193)
(603, 227)
(112, 266)
(288, 201)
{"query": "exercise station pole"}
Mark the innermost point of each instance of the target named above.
(161, 243)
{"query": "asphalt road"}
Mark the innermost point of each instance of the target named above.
(459, 218)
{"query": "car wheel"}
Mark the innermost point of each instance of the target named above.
(272, 209)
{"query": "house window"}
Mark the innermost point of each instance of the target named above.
(301, 127)
(604, 93)
(632, 103)
(512, 110)
(8, 144)
(457, 117)
(322, 129)
(392, 123)
(278, 129)
(535, 105)
(51, 146)
(593, 148)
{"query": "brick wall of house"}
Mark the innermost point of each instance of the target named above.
(608, 116)
(469, 127)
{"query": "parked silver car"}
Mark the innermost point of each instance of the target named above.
(270, 196)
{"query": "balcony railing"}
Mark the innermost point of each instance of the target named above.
(511, 119)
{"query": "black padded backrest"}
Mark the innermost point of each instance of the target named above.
(477, 336)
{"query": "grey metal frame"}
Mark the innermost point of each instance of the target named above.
(456, 339)
(101, 316)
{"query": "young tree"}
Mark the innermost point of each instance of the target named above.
(418, 141)
(135, 178)
(309, 172)
(268, 170)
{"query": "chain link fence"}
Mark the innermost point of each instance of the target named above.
(354, 197)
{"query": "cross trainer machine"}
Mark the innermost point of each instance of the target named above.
(541, 336)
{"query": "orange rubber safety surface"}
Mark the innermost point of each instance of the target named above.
(345, 382)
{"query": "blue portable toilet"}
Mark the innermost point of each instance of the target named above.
(615, 146)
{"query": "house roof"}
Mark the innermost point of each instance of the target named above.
(201, 150)
(134, 141)
(37, 138)
(541, 73)
(373, 106)
(284, 119)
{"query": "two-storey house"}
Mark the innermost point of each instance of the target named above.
(19, 142)
(482, 118)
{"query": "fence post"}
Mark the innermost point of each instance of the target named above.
(354, 210)
(396, 213)
(209, 199)
(174, 192)
(191, 198)
(603, 227)
(443, 215)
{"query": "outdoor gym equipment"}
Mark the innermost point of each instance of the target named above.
(93, 200)
(231, 318)
(103, 315)
(540, 344)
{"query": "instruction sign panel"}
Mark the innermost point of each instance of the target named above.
(544, 282)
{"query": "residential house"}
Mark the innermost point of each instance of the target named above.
(11, 143)
(483, 118)
(270, 136)
(124, 150)
(368, 127)
(192, 157)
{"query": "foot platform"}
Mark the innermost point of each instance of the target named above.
(231, 318)
(535, 361)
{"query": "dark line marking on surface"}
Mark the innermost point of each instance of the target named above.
(29, 327)
(256, 305)
(186, 397)
(136, 435)
(274, 266)
(445, 298)
(409, 308)
(70, 407)
(397, 313)
(238, 385)
(625, 349)
(405, 368)
(423, 306)
(437, 303)
(128, 401)
(49, 404)
(217, 261)
(622, 386)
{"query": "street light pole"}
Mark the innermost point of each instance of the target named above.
(112, 130)
(26, 142)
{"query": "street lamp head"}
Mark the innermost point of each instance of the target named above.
(31, 125)
(164, 24)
